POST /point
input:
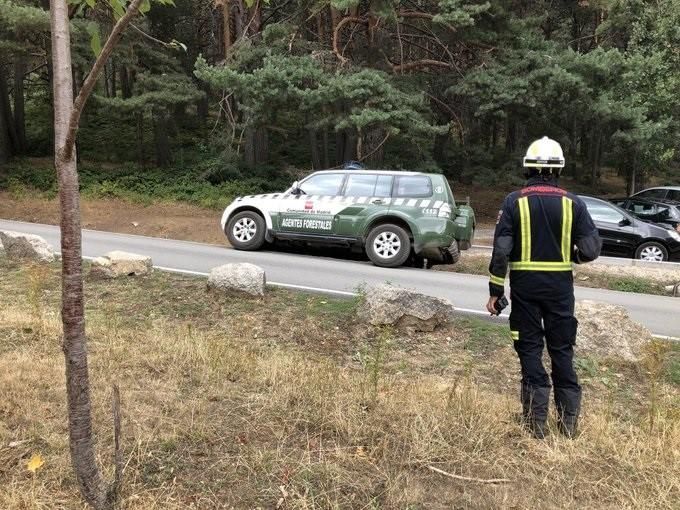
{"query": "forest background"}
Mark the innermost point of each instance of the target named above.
(208, 99)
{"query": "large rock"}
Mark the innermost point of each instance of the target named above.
(385, 305)
(119, 263)
(244, 277)
(607, 330)
(26, 246)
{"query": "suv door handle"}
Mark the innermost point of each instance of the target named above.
(377, 201)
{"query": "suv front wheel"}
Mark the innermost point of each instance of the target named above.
(246, 231)
(388, 245)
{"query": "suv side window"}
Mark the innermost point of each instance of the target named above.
(323, 184)
(383, 188)
(360, 185)
(413, 186)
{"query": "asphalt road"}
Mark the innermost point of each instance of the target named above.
(467, 292)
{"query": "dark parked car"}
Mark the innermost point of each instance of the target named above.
(661, 192)
(624, 235)
(655, 211)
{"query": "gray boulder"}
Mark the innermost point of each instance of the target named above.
(608, 331)
(116, 264)
(26, 246)
(243, 277)
(385, 305)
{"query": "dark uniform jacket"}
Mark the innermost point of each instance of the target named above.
(541, 230)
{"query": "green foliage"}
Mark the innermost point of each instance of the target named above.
(149, 185)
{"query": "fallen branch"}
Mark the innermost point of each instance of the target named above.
(468, 478)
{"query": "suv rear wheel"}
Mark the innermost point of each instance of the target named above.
(388, 245)
(246, 231)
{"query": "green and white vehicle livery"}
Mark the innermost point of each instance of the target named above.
(394, 216)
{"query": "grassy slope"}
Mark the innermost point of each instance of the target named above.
(237, 403)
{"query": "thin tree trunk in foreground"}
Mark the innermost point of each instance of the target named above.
(66, 120)
(72, 311)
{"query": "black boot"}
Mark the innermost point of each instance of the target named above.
(568, 403)
(535, 401)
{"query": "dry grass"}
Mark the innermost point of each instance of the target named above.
(232, 403)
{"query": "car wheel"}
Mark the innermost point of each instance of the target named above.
(652, 252)
(388, 245)
(246, 231)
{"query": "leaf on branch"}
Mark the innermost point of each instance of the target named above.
(91, 3)
(145, 6)
(95, 40)
(250, 3)
(35, 463)
(118, 10)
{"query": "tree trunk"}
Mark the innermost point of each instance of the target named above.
(351, 145)
(140, 138)
(314, 147)
(6, 113)
(114, 91)
(326, 155)
(595, 156)
(125, 85)
(72, 309)
(19, 110)
(572, 163)
(226, 27)
(160, 137)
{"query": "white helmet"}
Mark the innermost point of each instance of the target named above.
(544, 153)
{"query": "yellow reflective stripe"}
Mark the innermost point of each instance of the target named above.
(497, 280)
(541, 266)
(525, 222)
(567, 217)
(514, 335)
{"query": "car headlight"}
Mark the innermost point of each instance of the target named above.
(675, 235)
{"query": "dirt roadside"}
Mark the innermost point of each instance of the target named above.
(173, 220)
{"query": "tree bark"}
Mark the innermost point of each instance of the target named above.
(125, 85)
(140, 138)
(6, 113)
(314, 148)
(66, 120)
(19, 110)
(73, 309)
(326, 155)
(160, 137)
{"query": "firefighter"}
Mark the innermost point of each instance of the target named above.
(540, 231)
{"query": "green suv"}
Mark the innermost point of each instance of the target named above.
(394, 216)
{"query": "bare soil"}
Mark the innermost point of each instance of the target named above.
(173, 220)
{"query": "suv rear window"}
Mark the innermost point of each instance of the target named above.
(413, 186)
